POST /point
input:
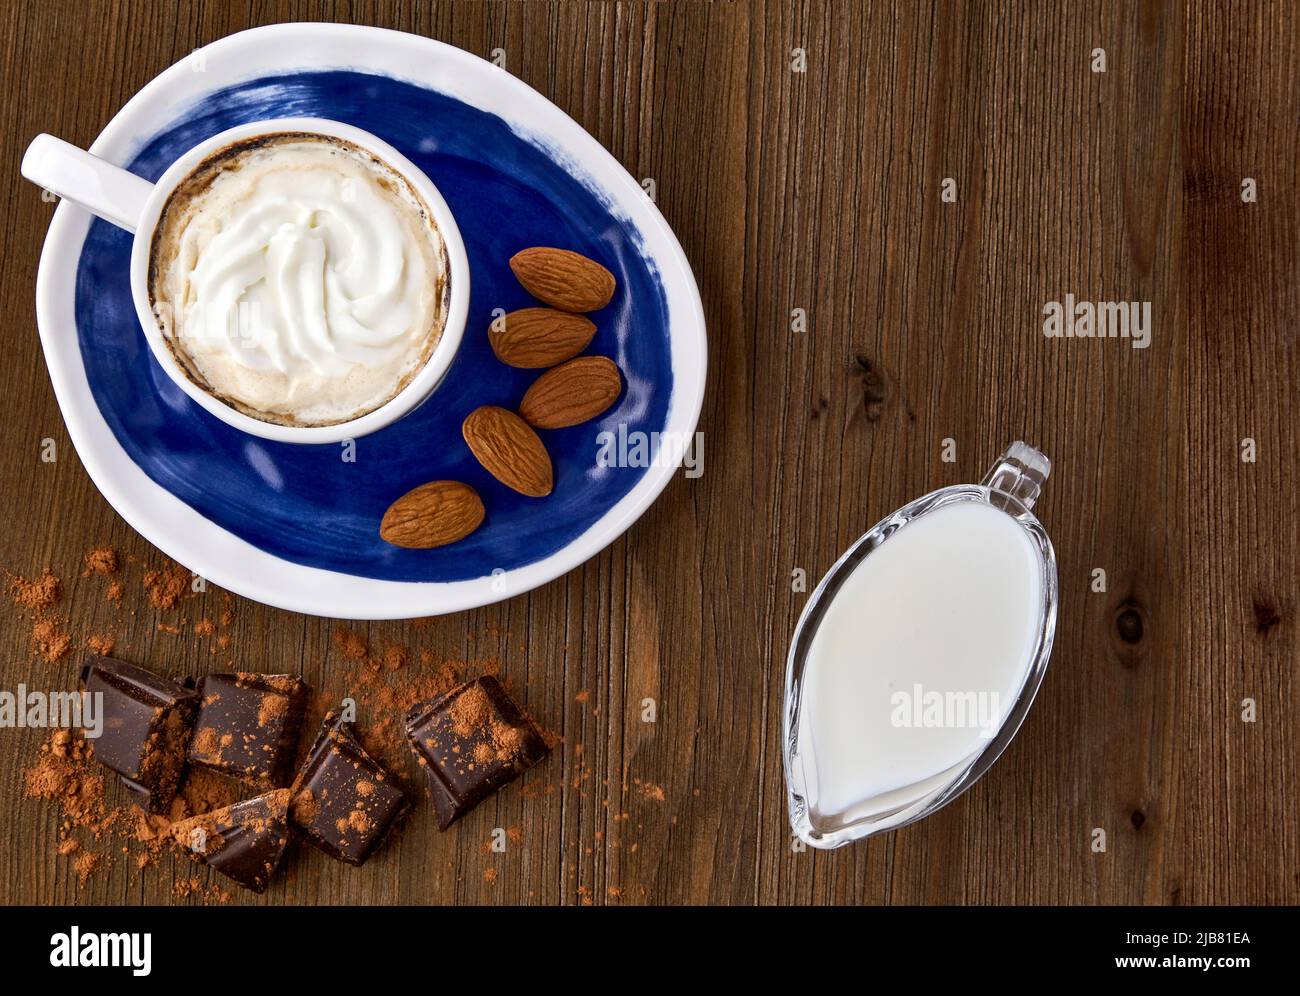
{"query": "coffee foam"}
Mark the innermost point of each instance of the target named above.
(298, 278)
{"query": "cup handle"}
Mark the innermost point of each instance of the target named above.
(98, 186)
(1019, 473)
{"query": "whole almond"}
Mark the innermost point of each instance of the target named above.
(509, 450)
(563, 279)
(540, 337)
(571, 393)
(433, 514)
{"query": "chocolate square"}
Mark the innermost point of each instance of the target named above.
(245, 842)
(471, 741)
(248, 726)
(147, 721)
(344, 802)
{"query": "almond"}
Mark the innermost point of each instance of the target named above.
(433, 514)
(540, 337)
(509, 450)
(571, 393)
(563, 279)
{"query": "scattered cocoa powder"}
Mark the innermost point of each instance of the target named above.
(100, 644)
(63, 773)
(470, 712)
(352, 645)
(87, 863)
(286, 684)
(96, 829)
(37, 595)
(202, 792)
(51, 642)
(165, 587)
(194, 887)
(101, 560)
(386, 686)
(272, 708)
(305, 807)
(207, 744)
(653, 792)
(392, 657)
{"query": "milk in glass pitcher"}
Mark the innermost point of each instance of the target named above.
(918, 656)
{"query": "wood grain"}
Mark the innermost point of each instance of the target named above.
(820, 190)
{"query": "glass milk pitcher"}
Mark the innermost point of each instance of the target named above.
(919, 655)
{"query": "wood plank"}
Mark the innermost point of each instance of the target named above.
(817, 190)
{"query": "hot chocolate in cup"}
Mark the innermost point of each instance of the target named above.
(298, 278)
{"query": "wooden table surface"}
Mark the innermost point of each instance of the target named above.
(819, 190)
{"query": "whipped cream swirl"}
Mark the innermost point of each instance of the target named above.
(299, 279)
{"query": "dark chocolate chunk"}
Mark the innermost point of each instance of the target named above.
(471, 741)
(344, 802)
(245, 842)
(248, 726)
(146, 727)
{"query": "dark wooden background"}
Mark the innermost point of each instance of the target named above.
(821, 190)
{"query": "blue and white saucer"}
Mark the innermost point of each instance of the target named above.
(297, 526)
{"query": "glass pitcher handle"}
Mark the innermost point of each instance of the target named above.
(1019, 473)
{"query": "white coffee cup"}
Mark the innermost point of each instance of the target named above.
(133, 203)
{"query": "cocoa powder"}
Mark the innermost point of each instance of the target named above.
(101, 644)
(98, 828)
(101, 560)
(37, 594)
(166, 587)
(51, 642)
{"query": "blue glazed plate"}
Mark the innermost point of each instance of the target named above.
(297, 526)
